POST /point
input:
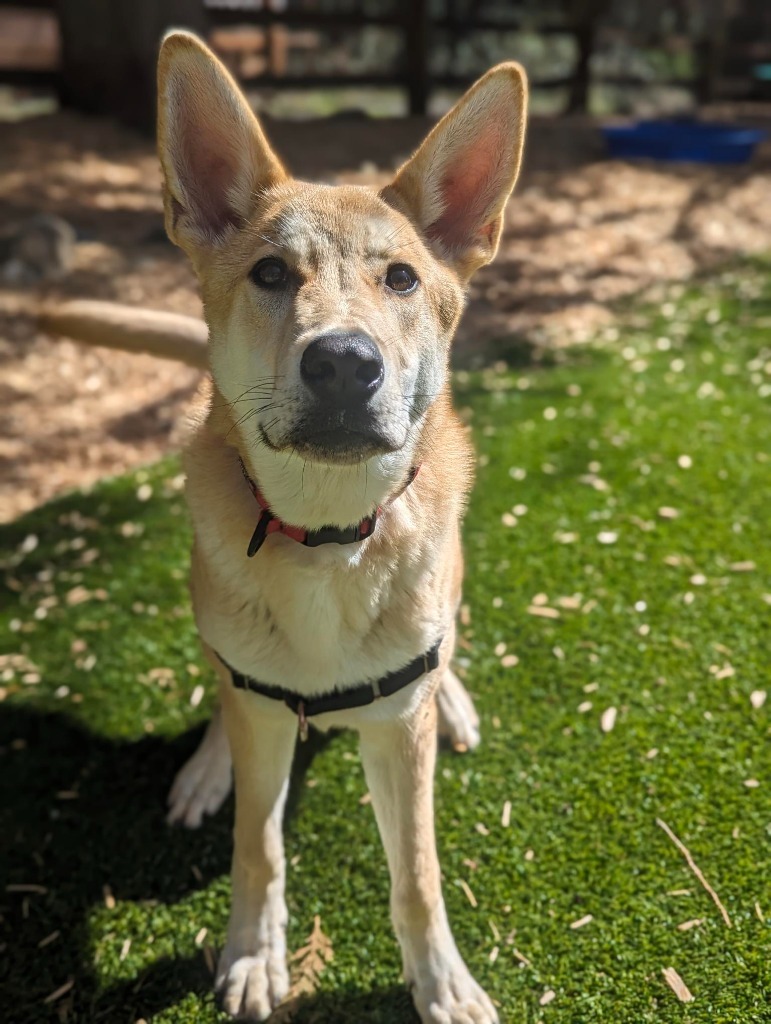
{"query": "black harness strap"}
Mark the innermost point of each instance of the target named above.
(339, 700)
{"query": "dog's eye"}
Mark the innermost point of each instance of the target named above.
(270, 272)
(401, 278)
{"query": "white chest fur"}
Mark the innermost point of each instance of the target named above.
(313, 619)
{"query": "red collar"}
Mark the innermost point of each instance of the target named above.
(268, 523)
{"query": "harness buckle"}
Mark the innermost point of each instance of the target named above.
(302, 722)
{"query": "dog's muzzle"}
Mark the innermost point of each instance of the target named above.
(342, 372)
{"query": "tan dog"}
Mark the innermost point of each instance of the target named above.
(331, 312)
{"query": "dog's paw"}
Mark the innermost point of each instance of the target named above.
(203, 783)
(458, 720)
(450, 995)
(251, 987)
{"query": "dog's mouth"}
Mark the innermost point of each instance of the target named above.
(334, 443)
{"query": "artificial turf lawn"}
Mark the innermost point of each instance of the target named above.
(89, 750)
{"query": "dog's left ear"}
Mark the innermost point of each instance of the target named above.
(456, 186)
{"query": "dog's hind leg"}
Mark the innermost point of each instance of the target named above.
(458, 719)
(203, 782)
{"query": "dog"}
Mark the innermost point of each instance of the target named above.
(326, 483)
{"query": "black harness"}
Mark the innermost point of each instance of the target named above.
(336, 700)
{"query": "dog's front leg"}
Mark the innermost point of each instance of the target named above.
(252, 976)
(399, 760)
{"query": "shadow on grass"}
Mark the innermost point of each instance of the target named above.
(82, 816)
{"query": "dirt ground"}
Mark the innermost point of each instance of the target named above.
(582, 232)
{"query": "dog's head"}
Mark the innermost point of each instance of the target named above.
(331, 309)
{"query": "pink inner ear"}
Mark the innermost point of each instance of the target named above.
(468, 189)
(209, 170)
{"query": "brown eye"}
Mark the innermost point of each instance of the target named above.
(270, 272)
(401, 278)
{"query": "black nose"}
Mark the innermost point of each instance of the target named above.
(344, 368)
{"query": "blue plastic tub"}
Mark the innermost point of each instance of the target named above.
(696, 141)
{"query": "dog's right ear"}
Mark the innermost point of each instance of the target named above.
(215, 159)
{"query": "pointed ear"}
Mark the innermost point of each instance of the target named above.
(215, 158)
(456, 186)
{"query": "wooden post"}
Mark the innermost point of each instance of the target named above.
(109, 52)
(417, 30)
(585, 15)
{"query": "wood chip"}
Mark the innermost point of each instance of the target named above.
(109, 899)
(758, 698)
(747, 566)
(49, 939)
(543, 611)
(685, 926)
(209, 959)
(506, 814)
(494, 954)
(483, 830)
(608, 719)
(469, 894)
(581, 921)
(365, 800)
(548, 996)
(759, 912)
(509, 660)
(751, 783)
(695, 869)
(62, 990)
(201, 936)
(124, 950)
(677, 985)
(522, 958)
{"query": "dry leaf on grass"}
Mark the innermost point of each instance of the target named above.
(306, 966)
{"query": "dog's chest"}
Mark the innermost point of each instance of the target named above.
(312, 620)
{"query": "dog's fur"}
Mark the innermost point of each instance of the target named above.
(317, 619)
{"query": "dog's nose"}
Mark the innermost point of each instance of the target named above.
(343, 368)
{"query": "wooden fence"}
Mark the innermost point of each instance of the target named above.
(108, 48)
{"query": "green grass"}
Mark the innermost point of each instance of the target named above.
(93, 730)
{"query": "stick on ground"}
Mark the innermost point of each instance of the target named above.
(696, 869)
